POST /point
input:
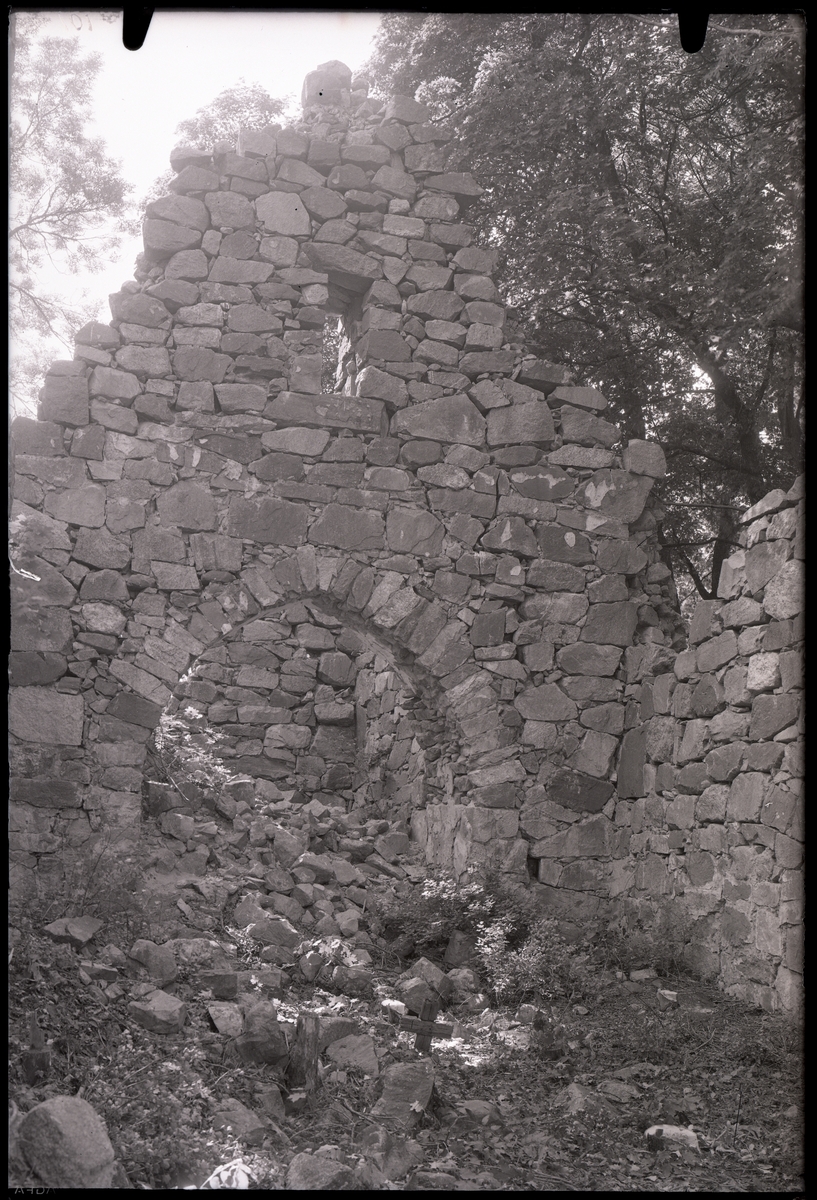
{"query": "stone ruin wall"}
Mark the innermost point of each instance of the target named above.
(433, 594)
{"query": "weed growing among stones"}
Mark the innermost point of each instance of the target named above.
(186, 748)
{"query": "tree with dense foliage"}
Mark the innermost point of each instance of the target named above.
(648, 206)
(65, 191)
(244, 106)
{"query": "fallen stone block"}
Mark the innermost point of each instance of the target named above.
(227, 1018)
(406, 1094)
(66, 1144)
(353, 981)
(356, 1051)
(159, 1012)
(78, 931)
(159, 961)
(393, 1155)
(234, 1117)
(318, 1172)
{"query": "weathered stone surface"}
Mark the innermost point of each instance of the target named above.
(476, 504)
(116, 385)
(187, 505)
(66, 1144)
(194, 177)
(37, 437)
(784, 596)
(622, 558)
(356, 1051)
(344, 266)
(441, 306)
(386, 344)
(237, 271)
(631, 764)
(159, 961)
(348, 528)
(771, 714)
(447, 419)
(762, 561)
(136, 710)
(33, 668)
(78, 506)
(268, 521)
(322, 203)
(578, 791)
(380, 385)
(717, 651)
(414, 531)
(611, 624)
(77, 931)
(746, 794)
(542, 482)
(407, 1091)
(513, 536)
(326, 85)
(581, 397)
(616, 495)
(230, 209)
(459, 183)
(335, 412)
(187, 265)
(584, 428)
(182, 210)
(520, 424)
(545, 703)
(396, 182)
(241, 397)
(199, 363)
(595, 753)
(644, 458)
(310, 442)
(99, 548)
(37, 714)
(284, 213)
(594, 838)
(163, 238)
(159, 1012)
(64, 398)
(240, 1122)
(566, 608)
(563, 545)
(39, 628)
(318, 1172)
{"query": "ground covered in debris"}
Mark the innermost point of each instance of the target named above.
(177, 1018)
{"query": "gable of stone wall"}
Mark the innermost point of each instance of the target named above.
(456, 496)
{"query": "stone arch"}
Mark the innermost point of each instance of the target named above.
(461, 496)
(310, 667)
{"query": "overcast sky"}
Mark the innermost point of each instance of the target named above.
(187, 58)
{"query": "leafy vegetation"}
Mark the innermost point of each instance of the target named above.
(648, 207)
(184, 750)
(246, 106)
(66, 193)
(427, 916)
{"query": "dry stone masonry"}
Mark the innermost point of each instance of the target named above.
(433, 592)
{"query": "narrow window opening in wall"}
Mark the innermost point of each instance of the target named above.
(332, 366)
(341, 328)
